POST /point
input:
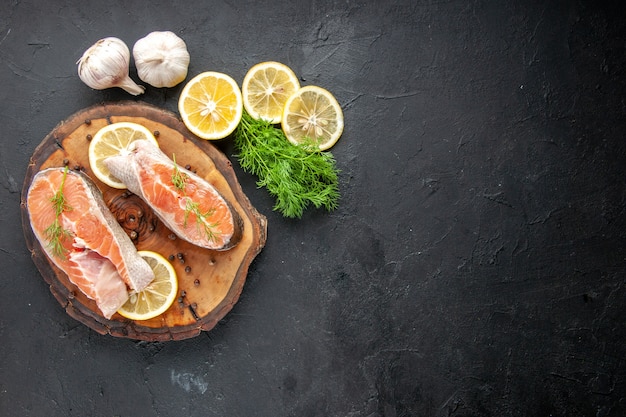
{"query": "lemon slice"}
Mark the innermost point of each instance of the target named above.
(210, 105)
(112, 140)
(158, 296)
(312, 113)
(265, 89)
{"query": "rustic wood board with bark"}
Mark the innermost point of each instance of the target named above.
(210, 282)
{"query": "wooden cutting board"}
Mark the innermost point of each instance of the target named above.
(210, 282)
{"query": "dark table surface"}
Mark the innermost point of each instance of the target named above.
(474, 267)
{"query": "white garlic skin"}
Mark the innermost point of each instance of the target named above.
(105, 64)
(161, 59)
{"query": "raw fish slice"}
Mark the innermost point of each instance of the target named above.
(98, 256)
(99, 281)
(196, 212)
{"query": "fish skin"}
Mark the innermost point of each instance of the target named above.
(147, 172)
(104, 264)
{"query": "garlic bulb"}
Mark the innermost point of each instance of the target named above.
(161, 59)
(105, 65)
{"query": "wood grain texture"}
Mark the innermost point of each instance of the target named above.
(210, 282)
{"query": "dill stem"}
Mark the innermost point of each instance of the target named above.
(55, 233)
(179, 180)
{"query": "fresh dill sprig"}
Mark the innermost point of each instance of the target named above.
(55, 233)
(179, 179)
(295, 175)
(192, 207)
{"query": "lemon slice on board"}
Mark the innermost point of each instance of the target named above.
(210, 105)
(265, 89)
(112, 140)
(312, 113)
(158, 296)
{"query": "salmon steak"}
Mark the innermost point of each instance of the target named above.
(81, 237)
(185, 202)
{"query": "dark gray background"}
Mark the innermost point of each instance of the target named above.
(475, 266)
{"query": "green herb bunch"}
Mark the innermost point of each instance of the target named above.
(295, 175)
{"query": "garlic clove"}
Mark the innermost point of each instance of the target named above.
(105, 64)
(161, 58)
